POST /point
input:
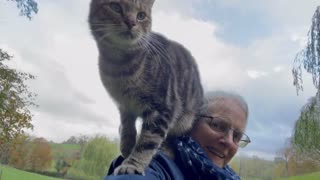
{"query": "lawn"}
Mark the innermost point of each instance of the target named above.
(312, 176)
(9, 173)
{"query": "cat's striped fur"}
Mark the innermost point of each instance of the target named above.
(147, 75)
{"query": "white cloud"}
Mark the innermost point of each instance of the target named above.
(254, 74)
(182, 7)
(285, 13)
(216, 60)
(18, 62)
(278, 68)
(51, 128)
(300, 37)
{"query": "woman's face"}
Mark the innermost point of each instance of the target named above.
(220, 147)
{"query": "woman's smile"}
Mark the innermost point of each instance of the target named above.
(215, 152)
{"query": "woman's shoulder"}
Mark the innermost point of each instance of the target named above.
(161, 168)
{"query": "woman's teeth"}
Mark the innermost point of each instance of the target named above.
(215, 152)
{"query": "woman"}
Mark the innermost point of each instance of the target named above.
(207, 150)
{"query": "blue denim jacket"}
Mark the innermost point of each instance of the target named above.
(160, 168)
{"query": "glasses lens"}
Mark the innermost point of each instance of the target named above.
(218, 125)
(243, 144)
(244, 141)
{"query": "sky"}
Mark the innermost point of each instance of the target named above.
(244, 46)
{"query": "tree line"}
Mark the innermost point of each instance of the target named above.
(288, 162)
(61, 159)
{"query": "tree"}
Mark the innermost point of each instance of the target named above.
(71, 140)
(302, 162)
(81, 140)
(27, 7)
(15, 97)
(96, 156)
(309, 57)
(19, 151)
(62, 166)
(306, 137)
(285, 154)
(40, 157)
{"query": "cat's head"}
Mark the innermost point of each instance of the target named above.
(120, 22)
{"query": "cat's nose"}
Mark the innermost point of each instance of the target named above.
(130, 23)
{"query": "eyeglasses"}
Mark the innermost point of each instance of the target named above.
(220, 126)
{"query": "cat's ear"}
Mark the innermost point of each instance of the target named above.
(151, 2)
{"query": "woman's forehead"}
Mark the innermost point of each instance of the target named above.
(229, 110)
(225, 105)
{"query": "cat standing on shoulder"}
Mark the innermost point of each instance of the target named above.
(147, 75)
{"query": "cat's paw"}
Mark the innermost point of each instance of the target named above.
(126, 168)
(125, 152)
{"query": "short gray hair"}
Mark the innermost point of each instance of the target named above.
(213, 96)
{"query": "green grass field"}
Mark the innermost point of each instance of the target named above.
(9, 173)
(312, 176)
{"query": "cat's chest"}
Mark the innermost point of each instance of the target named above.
(126, 82)
(120, 86)
(125, 91)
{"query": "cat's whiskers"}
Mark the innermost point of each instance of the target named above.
(158, 47)
(143, 42)
(105, 24)
(106, 32)
(142, 45)
(105, 35)
(105, 29)
(153, 52)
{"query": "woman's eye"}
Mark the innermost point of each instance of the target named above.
(237, 136)
(215, 125)
(141, 16)
(115, 7)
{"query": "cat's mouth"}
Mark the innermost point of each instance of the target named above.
(128, 35)
(125, 38)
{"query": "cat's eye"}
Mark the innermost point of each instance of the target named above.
(141, 16)
(115, 7)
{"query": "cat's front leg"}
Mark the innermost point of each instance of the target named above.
(154, 130)
(128, 133)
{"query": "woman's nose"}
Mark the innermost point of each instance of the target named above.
(228, 137)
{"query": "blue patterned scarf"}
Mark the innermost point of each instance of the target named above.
(196, 165)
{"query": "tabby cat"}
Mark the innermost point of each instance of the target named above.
(147, 75)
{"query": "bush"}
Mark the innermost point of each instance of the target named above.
(95, 158)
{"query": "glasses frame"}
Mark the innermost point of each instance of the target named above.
(243, 142)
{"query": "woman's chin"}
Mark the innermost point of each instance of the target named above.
(217, 158)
